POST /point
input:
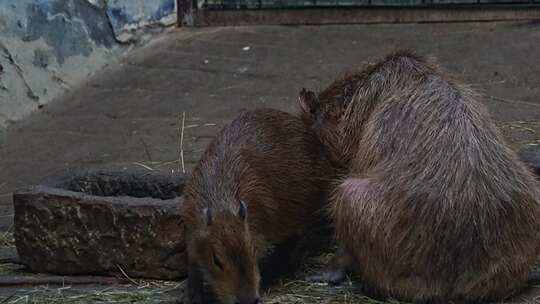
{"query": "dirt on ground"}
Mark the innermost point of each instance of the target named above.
(131, 112)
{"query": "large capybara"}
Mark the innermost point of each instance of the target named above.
(435, 206)
(262, 181)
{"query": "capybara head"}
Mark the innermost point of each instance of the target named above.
(323, 113)
(226, 254)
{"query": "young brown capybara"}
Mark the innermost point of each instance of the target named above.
(435, 206)
(260, 182)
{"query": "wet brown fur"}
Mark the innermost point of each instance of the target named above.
(434, 205)
(274, 163)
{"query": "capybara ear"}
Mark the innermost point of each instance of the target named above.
(242, 211)
(207, 216)
(309, 102)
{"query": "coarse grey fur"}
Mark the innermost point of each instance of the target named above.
(434, 205)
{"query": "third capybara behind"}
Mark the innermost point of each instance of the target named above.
(435, 206)
(262, 181)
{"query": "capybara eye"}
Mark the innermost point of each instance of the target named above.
(217, 262)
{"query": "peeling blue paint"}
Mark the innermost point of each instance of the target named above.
(43, 6)
(118, 17)
(69, 27)
(127, 12)
(56, 43)
(76, 27)
(165, 9)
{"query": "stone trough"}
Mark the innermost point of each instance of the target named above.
(102, 222)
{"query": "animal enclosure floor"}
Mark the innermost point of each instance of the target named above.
(131, 112)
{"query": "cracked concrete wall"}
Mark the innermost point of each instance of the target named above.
(49, 46)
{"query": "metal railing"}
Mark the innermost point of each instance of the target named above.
(292, 4)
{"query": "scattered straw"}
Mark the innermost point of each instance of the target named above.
(176, 161)
(515, 101)
(192, 126)
(198, 125)
(126, 275)
(143, 165)
(7, 298)
(298, 291)
(518, 126)
(181, 160)
(146, 150)
(6, 238)
(302, 292)
(147, 295)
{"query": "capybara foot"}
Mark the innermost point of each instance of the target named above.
(336, 271)
(331, 277)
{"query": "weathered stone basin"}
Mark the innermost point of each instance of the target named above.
(98, 221)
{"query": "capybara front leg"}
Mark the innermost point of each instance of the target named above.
(194, 292)
(349, 197)
(336, 271)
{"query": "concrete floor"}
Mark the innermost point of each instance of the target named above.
(131, 112)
